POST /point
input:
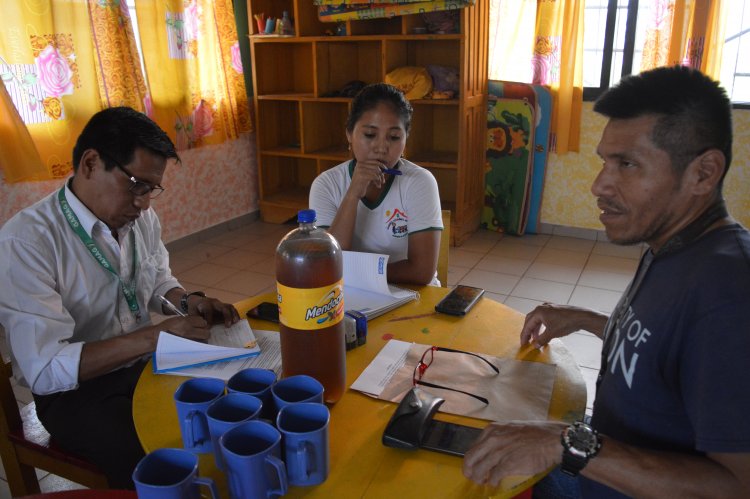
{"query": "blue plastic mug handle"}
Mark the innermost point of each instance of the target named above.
(278, 464)
(193, 441)
(208, 483)
(305, 457)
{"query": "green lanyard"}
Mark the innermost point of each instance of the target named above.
(128, 289)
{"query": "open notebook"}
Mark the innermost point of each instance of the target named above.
(174, 352)
(366, 287)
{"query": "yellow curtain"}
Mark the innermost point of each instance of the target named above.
(118, 68)
(47, 67)
(197, 97)
(687, 32)
(558, 63)
(511, 39)
(705, 37)
(658, 30)
(19, 158)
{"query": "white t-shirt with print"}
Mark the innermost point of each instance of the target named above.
(410, 203)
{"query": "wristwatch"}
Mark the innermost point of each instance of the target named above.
(184, 299)
(580, 443)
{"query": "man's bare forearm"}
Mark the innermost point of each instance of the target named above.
(652, 474)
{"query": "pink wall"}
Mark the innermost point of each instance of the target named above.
(212, 185)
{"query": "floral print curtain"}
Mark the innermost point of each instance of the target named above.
(118, 69)
(47, 65)
(687, 32)
(558, 63)
(194, 70)
(541, 42)
(62, 61)
(18, 146)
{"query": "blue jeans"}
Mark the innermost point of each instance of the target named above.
(557, 485)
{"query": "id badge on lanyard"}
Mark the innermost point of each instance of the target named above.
(128, 288)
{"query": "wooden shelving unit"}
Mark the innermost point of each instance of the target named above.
(301, 133)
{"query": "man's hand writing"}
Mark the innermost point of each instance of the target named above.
(214, 311)
(192, 327)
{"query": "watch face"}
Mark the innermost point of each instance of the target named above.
(581, 440)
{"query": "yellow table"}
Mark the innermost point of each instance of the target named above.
(360, 465)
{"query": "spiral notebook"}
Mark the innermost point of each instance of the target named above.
(366, 287)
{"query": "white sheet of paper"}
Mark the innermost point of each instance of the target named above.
(380, 371)
(269, 358)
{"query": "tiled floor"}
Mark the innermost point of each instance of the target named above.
(521, 272)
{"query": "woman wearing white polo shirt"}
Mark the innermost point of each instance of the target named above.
(379, 202)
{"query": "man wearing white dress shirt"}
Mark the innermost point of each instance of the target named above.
(82, 268)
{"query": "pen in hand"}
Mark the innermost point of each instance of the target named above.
(170, 306)
(392, 171)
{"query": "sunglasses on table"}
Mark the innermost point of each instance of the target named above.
(426, 361)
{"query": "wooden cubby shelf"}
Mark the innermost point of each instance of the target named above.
(301, 127)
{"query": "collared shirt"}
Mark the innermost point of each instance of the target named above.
(55, 296)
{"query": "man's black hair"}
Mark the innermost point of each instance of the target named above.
(116, 132)
(693, 112)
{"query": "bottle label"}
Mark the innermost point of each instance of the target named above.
(311, 308)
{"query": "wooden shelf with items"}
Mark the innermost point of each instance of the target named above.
(301, 119)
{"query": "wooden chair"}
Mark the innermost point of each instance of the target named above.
(25, 445)
(445, 243)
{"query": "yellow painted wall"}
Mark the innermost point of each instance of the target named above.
(568, 201)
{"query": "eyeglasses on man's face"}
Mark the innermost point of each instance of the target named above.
(137, 187)
(426, 361)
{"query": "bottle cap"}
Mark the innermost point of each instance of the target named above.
(306, 216)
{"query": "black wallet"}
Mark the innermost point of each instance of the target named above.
(412, 427)
(408, 425)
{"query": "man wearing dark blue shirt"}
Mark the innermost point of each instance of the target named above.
(670, 417)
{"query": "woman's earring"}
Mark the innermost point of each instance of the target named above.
(349, 147)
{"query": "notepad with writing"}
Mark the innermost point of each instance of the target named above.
(174, 352)
(366, 287)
